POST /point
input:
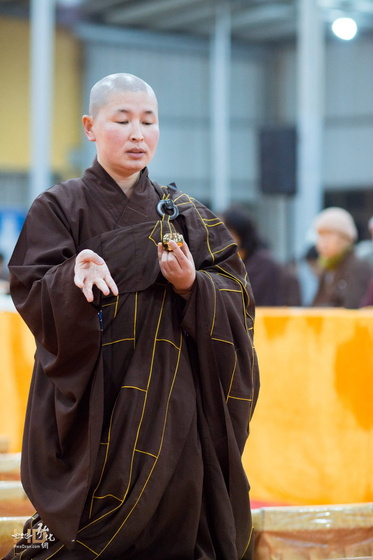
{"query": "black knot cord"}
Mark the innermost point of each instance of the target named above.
(167, 207)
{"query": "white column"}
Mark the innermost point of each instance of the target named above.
(220, 107)
(311, 47)
(42, 21)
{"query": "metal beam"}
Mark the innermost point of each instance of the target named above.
(148, 10)
(357, 6)
(140, 38)
(268, 33)
(42, 53)
(220, 104)
(93, 6)
(187, 17)
(262, 15)
(311, 55)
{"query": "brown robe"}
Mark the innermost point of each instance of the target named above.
(139, 404)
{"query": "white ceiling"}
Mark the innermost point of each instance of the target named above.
(252, 21)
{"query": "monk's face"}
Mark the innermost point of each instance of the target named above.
(126, 132)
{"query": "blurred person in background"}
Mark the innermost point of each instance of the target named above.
(368, 297)
(344, 277)
(309, 271)
(312, 258)
(364, 249)
(273, 284)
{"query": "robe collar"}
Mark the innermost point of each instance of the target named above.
(139, 207)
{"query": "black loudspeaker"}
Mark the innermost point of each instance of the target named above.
(278, 160)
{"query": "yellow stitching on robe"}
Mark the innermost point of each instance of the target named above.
(222, 340)
(214, 312)
(135, 319)
(232, 376)
(239, 398)
(147, 453)
(224, 248)
(116, 306)
(86, 546)
(136, 439)
(169, 341)
(248, 543)
(155, 462)
(132, 387)
(116, 341)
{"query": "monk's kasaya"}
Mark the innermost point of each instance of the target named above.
(145, 376)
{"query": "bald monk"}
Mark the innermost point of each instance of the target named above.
(145, 375)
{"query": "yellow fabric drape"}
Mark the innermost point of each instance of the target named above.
(311, 438)
(17, 349)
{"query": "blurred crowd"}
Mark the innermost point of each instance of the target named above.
(341, 270)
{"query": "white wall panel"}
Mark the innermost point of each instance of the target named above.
(284, 82)
(349, 79)
(349, 156)
(248, 80)
(183, 152)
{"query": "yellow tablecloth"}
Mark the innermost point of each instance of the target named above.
(17, 349)
(311, 436)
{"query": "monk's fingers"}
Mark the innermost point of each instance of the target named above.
(170, 264)
(185, 250)
(111, 285)
(183, 255)
(180, 253)
(160, 250)
(105, 283)
(87, 291)
(167, 258)
(102, 286)
(78, 280)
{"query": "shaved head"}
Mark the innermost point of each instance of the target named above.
(114, 83)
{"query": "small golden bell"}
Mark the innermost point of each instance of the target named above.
(177, 237)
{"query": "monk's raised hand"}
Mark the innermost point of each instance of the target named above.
(177, 266)
(91, 269)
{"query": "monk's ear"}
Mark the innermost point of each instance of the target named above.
(87, 121)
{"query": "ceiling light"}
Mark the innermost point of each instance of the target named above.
(345, 28)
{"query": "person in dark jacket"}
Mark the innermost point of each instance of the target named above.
(273, 284)
(345, 277)
(367, 300)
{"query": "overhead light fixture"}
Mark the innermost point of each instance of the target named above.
(345, 28)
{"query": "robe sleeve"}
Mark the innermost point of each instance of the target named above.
(65, 326)
(64, 412)
(219, 321)
(219, 315)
